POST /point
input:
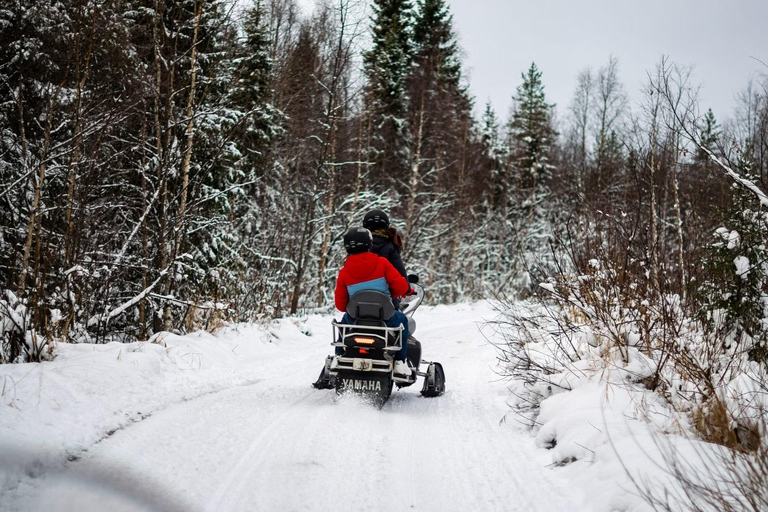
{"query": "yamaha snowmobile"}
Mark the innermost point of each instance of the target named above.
(368, 347)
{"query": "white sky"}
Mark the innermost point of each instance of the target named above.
(501, 38)
(720, 39)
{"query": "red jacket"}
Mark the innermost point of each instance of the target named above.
(367, 271)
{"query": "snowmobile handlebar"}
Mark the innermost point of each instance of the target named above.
(409, 303)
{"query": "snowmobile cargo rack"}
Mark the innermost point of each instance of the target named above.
(381, 334)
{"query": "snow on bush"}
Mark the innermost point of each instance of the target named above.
(615, 379)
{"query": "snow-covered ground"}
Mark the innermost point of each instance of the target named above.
(230, 422)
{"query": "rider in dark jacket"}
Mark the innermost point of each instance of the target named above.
(386, 240)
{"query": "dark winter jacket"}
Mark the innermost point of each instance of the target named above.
(384, 244)
(367, 271)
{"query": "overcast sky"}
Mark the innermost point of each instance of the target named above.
(719, 38)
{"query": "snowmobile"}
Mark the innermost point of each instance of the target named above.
(366, 364)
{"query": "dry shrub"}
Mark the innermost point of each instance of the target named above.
(713, 424)
(208, 317)
(592, 308)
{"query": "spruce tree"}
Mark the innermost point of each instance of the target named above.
(387, 65)
(442, 128)
(439, 107)
(710, 135)
(489, 132)
(495, 153)
(250, 95)
(435, 42)
(531, 139)
(531, 132)
(735, 287)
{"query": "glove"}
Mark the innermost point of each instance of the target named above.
(410, 292)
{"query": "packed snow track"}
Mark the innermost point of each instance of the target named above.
(277, 444)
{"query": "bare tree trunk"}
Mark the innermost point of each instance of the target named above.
(582, 176)
(304, 249)
(168, 144)
(164, 144)
(674, 99)
(581, 109)
(25, 164)
(77, 152)
(653, 229)
(37, 185)
(360, 164)
(611, 107)
(190, 112)
(142, 334)
(329, 209)
(413, 186)
(663, 214)
(161, 178)
(679, 222)
(161, 156)
(341, 59)
(456, 242)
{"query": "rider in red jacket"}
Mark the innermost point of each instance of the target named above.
(367, 271)
(364, 270)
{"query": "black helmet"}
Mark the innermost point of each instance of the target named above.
(375, 219)
(358, 240)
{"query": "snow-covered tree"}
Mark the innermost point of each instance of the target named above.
(735, 292)
(710, 134)
(250, 91)
(387, 66)
(531, 134)
(436, 50)
(496, 152)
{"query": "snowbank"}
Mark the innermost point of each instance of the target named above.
(592, 403)
(52, 412)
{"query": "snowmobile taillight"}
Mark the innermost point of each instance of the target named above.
(363, 350)
(364, 341)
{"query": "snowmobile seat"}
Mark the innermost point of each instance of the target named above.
(370, 307)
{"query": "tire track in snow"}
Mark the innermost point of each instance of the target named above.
(230, 490)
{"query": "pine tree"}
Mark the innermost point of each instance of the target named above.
(387, 66)
(710, 136)
(250, 92)
(442, 127)
(439, 107)
(495, 152)
(489, 132)
(436, 49)
(532, 134)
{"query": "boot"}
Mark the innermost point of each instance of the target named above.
(402, 369)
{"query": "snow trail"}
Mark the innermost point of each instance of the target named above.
(278, 444)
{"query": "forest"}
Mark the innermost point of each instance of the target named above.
(176, 165)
